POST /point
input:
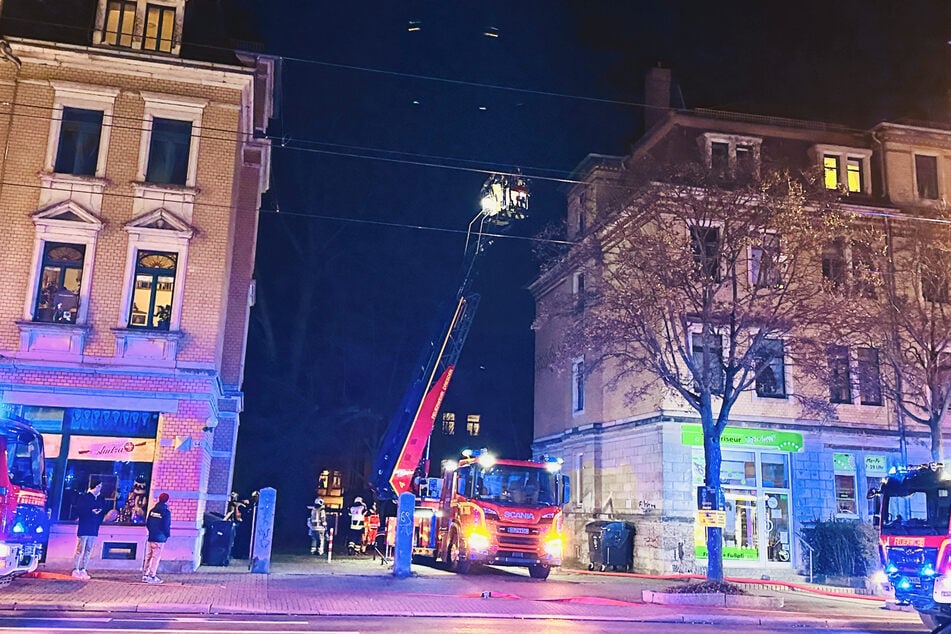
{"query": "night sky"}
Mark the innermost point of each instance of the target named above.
(385, 137)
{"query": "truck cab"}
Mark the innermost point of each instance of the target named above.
(24, 522)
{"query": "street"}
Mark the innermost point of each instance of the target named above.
(98, 622)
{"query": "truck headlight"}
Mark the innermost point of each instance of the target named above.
(554, 547)
(4, 550)
(478, 539)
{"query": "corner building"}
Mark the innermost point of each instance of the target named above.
(643, 462)
(134, 159)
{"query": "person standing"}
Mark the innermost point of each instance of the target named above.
(317, 524)
(89, 508)
(159, 525)
(358, 514)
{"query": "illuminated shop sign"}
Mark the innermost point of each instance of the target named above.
(115, 449)
(692, 436)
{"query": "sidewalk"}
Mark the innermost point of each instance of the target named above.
(301, 585)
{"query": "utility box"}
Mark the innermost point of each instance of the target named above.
(610, 545)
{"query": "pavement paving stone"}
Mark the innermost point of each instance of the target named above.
(358, 587)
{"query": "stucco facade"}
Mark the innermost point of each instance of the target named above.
(130, 185)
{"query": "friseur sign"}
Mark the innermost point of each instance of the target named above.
(692, 436)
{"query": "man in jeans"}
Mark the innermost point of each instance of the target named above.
(89, 508)
(159, 524)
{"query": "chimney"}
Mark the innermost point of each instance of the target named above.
(656, 95)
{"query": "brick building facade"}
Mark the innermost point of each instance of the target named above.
(133, 164)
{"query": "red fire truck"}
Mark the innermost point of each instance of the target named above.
(492, 511)
(914, 517)
(24, 522)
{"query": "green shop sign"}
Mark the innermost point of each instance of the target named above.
(692, 436)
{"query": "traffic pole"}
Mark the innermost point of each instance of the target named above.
(330, 546)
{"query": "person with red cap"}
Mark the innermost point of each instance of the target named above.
(159, 524)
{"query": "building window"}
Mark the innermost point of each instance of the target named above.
(830, 171)
(79, 135)
(934, 280)
(168, 151)
(833, 263)
(845, 490)
(578, 482)
(120, 23)
(57, 298)
(159, 28)
(770, 370)
(926, 175)
(153, 290)
(720, 158)
(854, 175)
(708, 361)
(870, 379)
(705, 243)
(745, 161)
(448, 423)
(764, 262)
(840, 385)
(577, 386)
(472, 424)
(730, 156)
(577, 289)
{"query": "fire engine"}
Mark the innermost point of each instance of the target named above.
(24, 522)
(482, 509)
(915, 524)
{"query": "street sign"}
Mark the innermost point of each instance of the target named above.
(712, 519)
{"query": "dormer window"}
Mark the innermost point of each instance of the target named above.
(844, 168)
(154, 26)
(730, 155)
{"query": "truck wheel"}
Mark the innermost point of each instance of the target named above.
(539, 571)
(933, 621)
(457, 560)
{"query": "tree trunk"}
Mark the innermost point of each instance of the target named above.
(937, 444)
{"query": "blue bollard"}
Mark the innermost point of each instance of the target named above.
(263, 536)
(403, 554)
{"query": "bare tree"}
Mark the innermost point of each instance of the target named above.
(701, 289)
(908, 315)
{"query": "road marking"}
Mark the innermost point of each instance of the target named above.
(99, 630)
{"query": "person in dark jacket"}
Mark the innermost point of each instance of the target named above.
(89, 508)
(159, 524)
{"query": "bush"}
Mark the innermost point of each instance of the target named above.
(843, 548)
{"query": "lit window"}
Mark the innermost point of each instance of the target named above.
(472, 424)
(853, 177)
(153, 291)
(159, 28)
(577, 386)
(926, 175)
(870, 379)
(78, 148)
(845, 490)
(168, 151)
(840, 382)
(448, 423)
(57, 298)
(770, 370)
(830, 171)
(120, 23)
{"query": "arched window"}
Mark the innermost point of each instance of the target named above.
(57, 298)
(153, 291)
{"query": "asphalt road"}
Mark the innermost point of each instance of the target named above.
(71, 623)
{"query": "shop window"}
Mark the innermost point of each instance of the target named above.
(120, 23)
(870, 379)
(840, 382)
(168, 152)
(153, 290)
(778, 542)
(926, 176)
(738, 468)
(79, 135)
(159, 28)
(577, 386)
(122, 488)
(448, 423)
(57, 298)
(775, 470)
(472, 424)
(845, 484)
(770, 369)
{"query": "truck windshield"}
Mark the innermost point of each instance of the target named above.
(925, 512)
(516, 486)
(24, 453)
